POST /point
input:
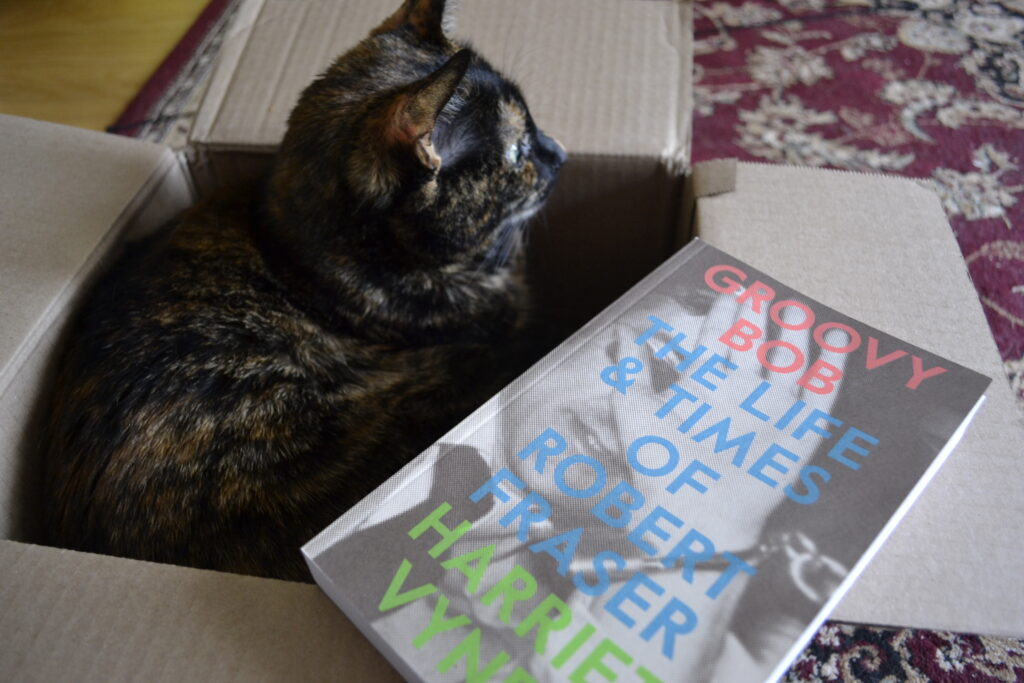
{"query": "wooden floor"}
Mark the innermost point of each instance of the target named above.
(81, 61)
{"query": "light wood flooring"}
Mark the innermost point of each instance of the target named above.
(80, 62)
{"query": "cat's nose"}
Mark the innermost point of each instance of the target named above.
(553, 147)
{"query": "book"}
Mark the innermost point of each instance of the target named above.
(681, 491)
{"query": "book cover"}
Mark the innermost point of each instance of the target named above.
(681, 491)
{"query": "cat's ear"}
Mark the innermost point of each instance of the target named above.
(416, 111)
(431, 20)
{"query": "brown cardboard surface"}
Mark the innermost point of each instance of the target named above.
(622, 213)
(47, 237)
(588, 68)
(879, 249)
(77, 616)
(65, 194)
(606, 77)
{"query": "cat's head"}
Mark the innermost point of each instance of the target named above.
(414, 139)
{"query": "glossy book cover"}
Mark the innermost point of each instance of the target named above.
(681, 491)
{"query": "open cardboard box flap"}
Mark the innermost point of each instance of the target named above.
(65, 196)
(567, 57)
(878, 248)
(70, 615)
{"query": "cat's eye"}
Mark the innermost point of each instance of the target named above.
(513, 154)
(517, 152)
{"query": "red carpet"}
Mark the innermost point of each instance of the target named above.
(932, 89)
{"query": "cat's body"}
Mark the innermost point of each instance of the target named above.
(234, 385)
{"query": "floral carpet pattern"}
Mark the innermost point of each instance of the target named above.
(845, 652)
(932, 89)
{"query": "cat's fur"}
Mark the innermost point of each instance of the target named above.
(231, 387)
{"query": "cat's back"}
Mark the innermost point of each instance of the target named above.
(189, 382)
(198, 301)
(201, 416)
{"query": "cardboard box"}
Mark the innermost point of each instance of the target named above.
(69, 196)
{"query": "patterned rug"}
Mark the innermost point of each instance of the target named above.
(932, 89)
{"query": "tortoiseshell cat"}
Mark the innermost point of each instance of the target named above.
(236, 384)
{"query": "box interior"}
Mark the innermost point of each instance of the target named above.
(68, 197)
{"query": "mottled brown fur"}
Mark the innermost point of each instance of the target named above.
(236, 383)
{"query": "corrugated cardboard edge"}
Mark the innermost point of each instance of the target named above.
(706, 179)
(714, 177)
(677, 155)
(168, 164)
(233, 48)
(23, 382)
